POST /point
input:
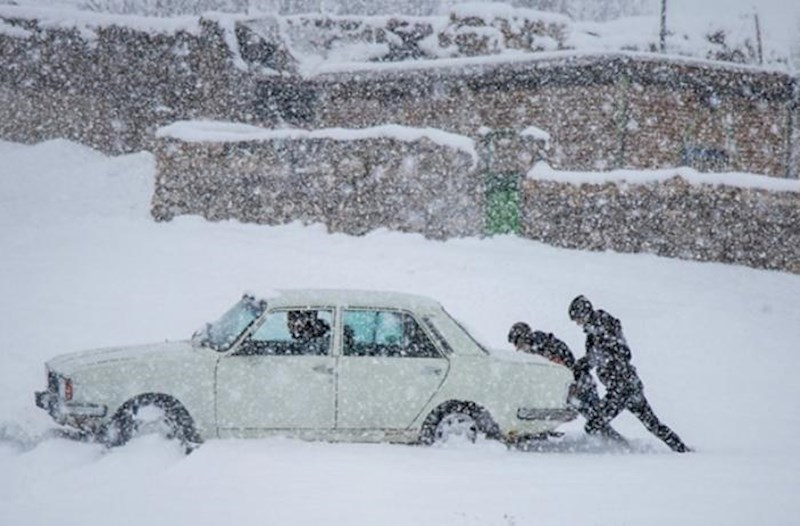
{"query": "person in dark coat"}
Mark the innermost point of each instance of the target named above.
(584, 391)
(608, 353)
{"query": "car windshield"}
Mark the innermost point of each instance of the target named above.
(221, 334)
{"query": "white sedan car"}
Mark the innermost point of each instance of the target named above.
(315, 364)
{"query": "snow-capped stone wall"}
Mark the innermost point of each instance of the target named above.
(109, 81)
(353, 181)
(682, 216)
(439, 184)
(602, 111)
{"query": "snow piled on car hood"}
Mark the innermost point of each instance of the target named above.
(508, 355)
(69, 363)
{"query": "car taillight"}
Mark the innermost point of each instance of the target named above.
(67, 389)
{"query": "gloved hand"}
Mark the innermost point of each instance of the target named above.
(581, 369)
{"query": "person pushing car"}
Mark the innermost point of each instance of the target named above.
(584, 391)
(608, 353)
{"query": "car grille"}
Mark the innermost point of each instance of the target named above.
(52, 382)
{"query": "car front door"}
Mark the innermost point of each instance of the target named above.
(388, 371)
(280, 378)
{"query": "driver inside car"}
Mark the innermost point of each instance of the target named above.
(308, 331)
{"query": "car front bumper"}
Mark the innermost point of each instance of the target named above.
(84, 416)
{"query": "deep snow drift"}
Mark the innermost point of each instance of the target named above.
(83, 265)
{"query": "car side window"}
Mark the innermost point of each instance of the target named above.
(291, 332)
(385, 333)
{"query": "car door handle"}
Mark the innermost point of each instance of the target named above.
(437, 371)
(322, 369)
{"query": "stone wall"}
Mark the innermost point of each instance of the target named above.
(355, 185)
(351, 186)
(752, 227)
(110, 86)
(603, 112)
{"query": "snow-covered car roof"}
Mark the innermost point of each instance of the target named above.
(351, 298)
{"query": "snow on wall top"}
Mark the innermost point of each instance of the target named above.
(220, 131)
(506, 11)
(326, 44)
(543, 172)
(87, 21)
(13, 31)
(323, 43)
(536, 133)
(512, 62)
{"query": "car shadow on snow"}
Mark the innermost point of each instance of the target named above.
(22, 440)
(582, 443)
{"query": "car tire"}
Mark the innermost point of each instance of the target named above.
(460, 420)
(152, 414)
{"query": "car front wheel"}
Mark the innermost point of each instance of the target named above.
(152, 415)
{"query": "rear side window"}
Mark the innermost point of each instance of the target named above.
(385, 333)
(438, 335)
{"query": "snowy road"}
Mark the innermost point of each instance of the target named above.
(83, 266)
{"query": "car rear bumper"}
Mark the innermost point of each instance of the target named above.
(564, 414)
(83, 416)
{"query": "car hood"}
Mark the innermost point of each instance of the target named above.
(69, 363)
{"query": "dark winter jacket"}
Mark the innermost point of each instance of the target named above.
(550, 347)
(608, 352)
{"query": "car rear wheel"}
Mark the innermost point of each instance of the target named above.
(152, 415)
(458, 420)
(456, 426)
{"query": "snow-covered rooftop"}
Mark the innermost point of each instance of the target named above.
(464, 35)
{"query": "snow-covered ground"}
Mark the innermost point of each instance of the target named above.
(82, 265)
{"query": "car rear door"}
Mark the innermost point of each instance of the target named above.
(388, 371)
(277, 379)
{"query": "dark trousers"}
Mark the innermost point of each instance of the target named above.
(635, 402)
(588, 405)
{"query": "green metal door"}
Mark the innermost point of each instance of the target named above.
(502, 203)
